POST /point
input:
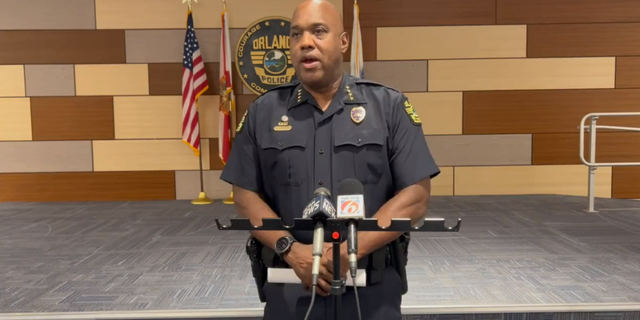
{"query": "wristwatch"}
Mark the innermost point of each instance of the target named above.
(283, 245)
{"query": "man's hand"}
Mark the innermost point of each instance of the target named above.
(327, 262)
(300, 259)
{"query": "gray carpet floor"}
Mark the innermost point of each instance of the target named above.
(116, 256)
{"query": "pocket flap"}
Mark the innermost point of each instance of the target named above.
(359, 137)
(282, 140)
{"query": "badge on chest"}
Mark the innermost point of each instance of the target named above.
(283, 125)
(358, 114)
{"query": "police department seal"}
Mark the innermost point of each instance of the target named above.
(263, 58)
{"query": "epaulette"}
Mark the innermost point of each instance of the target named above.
(369, 82)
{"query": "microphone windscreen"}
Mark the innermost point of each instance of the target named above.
(322, 190)
(350, 186)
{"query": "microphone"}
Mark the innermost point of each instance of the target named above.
(351, 206)
(320, 208)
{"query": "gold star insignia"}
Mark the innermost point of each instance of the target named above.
(241, 63)
(282, 24)
(245, 75)
(266, 23)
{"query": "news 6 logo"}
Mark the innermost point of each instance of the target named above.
(349, 206)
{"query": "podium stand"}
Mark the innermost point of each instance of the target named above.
(336, 227)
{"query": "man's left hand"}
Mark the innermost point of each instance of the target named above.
(327, 262)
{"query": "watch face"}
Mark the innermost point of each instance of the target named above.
(282, 245)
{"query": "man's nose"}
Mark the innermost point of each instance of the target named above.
(306, 40)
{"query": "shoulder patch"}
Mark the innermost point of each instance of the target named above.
(411, 112)
(240, 125)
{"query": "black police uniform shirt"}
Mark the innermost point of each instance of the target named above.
(286, 147)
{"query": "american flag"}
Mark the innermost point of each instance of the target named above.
(194, 84)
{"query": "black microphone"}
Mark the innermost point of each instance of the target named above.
(319, 209)
(351, 206)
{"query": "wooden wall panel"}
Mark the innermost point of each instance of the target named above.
(15, 119)
(406, 76)
(47, 14)
(120, 79)
(544, 111)
(45, 156)
(564, 148)
(480, 150)
(442, 185)
(214, 158)
(515, 74)
(403, 13)
(87, 186)
(583, 40)
(628, 72)
(567, 11)
(49, 80)
(243, 102)
(147, 155)
(166, 78)
(161, 14)
(440, 112)
(188, 185)
(72, 118)
(505, 180)
(12, 81)
(369, 44)
(626, 182)
(456, 42)
(160, 117)
(62, 46)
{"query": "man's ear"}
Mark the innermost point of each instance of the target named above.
(344, 42)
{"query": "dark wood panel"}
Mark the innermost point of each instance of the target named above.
(72, 118)
(243, 102)
(73, 46)
(214, 159)
(166, 78)
(88, 186)
(628, 72)
(583, 40)
(369, 44)
(544, 111)
(567, 11)
(564, 148)
(626, 183)
(382, 13)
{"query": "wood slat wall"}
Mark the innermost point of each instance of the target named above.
(90, 92)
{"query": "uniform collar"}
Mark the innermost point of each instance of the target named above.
(348, 93)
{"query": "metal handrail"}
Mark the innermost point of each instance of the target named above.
(592, 150)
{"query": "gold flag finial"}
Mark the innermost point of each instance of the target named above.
(224, 3)
(189, 3)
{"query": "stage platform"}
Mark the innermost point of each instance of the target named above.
(515, 257)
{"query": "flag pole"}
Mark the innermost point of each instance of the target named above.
(202, 197)
(229, 200)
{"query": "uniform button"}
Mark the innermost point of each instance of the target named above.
(280, 144)
(359, 140)
(321, 151)
(320, 182)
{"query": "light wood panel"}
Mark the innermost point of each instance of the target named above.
(440, 112)
(628, 72)
(509, 180)
(381, 13)
(564, 148)
(481, 150)
(452, 42)
(47, 14)
(49, 80)
(626, 182)
(72, 118)
(545, 111)
(147, 155)
(45, 156)
(566, 11)
(87, 186)
(15, 118)
(114, 79)
(583, 40)
(160, 117)
(62, 46)
(442, 185)
(188, 185)
(12, 81)
(513, 74)
(169, 14)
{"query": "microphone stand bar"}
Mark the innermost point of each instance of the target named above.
(335, 227)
